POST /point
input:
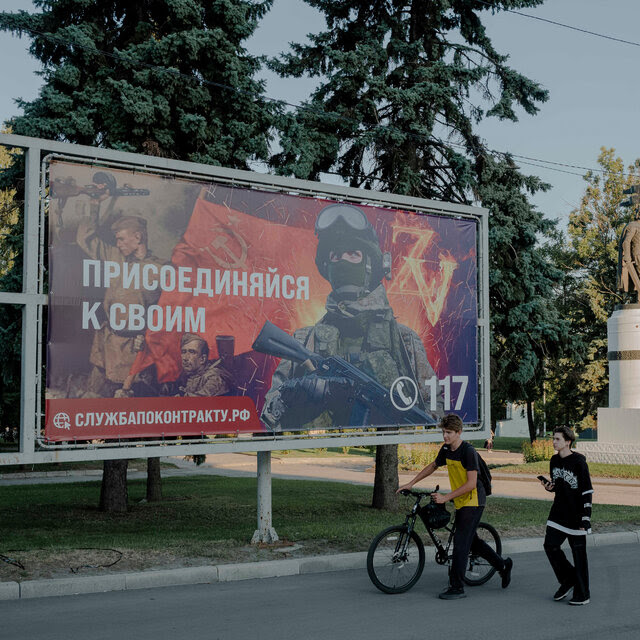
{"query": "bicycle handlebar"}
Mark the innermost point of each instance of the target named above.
(419, 494)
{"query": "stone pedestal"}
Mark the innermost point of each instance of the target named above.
(619, 425)
(623, 339)
(618, 437)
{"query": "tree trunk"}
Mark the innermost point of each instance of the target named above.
(386, 478)
(113, 492)
(531, 423)
(154, 480)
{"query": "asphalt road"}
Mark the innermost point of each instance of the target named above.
(346, 605)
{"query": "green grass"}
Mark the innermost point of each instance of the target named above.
(136, 464)
(510, 514)
(514, 445)
(200, 516)
(597, 469)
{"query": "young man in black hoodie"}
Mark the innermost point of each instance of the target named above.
(570, 517)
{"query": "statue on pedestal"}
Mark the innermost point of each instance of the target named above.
(629, 258)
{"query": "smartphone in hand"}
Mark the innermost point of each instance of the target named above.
(543, 479)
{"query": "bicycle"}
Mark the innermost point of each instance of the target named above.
(396, 555)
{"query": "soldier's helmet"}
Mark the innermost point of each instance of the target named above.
(345, 227)
(107, 179)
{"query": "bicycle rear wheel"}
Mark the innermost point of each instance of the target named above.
(478, 569)
(395, 560)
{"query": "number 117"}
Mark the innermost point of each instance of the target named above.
(446, 382)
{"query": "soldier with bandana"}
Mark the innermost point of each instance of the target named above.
(200, 376)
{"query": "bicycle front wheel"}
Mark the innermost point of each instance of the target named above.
(395, 560)
(479, 570)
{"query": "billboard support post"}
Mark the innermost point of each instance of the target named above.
(30, 288)
(265, 531)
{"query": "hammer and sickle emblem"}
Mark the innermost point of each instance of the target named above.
(221, 245)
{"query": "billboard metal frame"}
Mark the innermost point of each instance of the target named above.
(33, 301)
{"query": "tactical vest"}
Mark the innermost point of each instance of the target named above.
(373, 344)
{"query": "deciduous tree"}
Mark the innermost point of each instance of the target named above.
(592, 256)
(10, 322)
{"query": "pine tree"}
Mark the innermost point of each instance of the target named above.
(167, 78)
(149, 77)
(527, 329)
(402, 88)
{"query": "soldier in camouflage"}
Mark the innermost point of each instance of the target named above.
(359, 326)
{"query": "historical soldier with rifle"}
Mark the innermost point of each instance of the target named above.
(113, 351)
(358, 340)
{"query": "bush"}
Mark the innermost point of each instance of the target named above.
(416, 456)
(538, 450)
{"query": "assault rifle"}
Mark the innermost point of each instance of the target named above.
(104, 185)
(332, 381)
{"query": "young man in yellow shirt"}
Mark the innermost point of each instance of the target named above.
(469, 497)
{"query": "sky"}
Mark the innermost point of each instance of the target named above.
(593, 83)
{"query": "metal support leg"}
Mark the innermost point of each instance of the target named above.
(265, 532)
(29, 421)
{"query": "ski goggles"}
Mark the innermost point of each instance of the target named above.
(351, 216)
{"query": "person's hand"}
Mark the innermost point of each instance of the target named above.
(404, 487)
(320, 390)
(547, 485)
(438, 498)
(98, 193)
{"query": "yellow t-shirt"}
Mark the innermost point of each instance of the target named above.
(458, 462)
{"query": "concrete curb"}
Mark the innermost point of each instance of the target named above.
(247, 571)
(614, 537)
(9, 590)
(171, 577)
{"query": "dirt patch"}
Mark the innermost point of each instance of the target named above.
(46, 564)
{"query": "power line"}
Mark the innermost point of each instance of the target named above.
(542, 166)
(561, 24)
(303, 108)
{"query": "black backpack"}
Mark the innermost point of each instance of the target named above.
(483, 473)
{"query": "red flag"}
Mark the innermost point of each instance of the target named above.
(253, 254)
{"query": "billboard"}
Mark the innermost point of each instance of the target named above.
(180, 308)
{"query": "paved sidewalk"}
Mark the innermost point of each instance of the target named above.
(360, 470)
(247, 571)
(351, 469)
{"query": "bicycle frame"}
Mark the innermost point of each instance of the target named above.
(442, 552)
(396, 556)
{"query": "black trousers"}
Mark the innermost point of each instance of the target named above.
(576, 574)
(465, 539)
